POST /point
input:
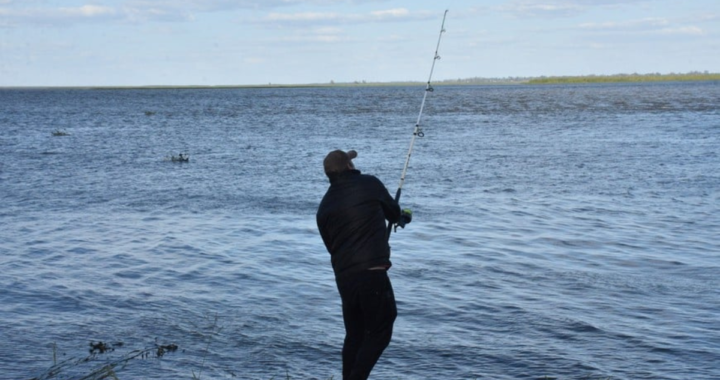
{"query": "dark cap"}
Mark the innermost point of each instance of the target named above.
(338, 161)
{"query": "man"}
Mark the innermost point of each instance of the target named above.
(351, 219)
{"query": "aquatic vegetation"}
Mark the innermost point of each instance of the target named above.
(215, 329)
(109, 367)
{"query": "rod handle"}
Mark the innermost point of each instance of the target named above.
(397, 199)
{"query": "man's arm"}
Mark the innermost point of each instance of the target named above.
(390, 207)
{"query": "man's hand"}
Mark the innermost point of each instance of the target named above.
(405, 218)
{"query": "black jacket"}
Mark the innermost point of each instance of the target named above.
(351, 219)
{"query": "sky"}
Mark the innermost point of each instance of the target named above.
(258, 42)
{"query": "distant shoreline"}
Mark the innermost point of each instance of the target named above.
(629, 78)
(580, 79)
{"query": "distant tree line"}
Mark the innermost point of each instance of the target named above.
(652, 77)
(480, 80)
(635, 77)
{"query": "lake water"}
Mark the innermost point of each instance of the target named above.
(561, 231)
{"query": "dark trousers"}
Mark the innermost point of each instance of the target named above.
(369, 311)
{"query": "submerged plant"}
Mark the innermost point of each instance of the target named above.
(108, 369)
(214, 330)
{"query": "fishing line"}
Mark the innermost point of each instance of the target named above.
(418, 130)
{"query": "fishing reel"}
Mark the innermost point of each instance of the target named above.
(405, 218)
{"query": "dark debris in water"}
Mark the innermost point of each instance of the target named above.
(102, 347)
(161, 350)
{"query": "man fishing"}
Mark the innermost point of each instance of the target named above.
(351, 219)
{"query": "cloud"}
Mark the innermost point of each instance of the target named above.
(89, 11)
(709, 17)
(184, 7)
(219, 5)
(622, 26)
(254, 60)
(195, 6)
(530, 8)
(302, 18)
(648, 26)
(315, 35)
(37, 12)
(391, 13)
(57, 16)
(682, 31)
(558, 8)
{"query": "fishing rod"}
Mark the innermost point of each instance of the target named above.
(418, 130)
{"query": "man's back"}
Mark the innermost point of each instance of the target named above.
(351, 219)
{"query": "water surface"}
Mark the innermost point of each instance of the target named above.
(562, 231)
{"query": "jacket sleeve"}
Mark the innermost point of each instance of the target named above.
(390, 207)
